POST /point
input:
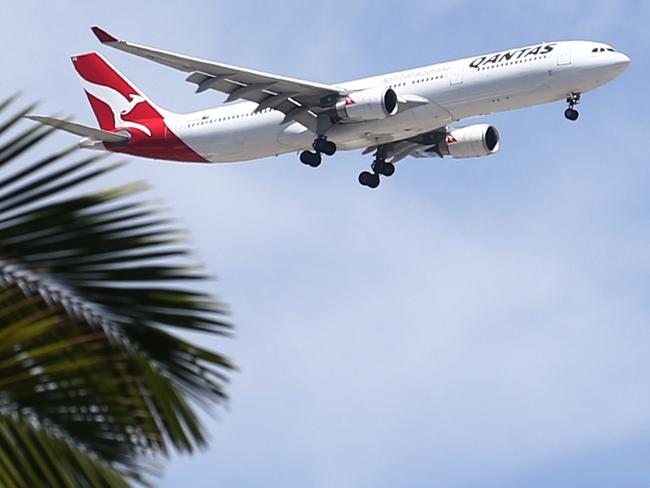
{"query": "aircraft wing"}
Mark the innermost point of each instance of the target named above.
(299, 100)
(395, 151)
(421, 146)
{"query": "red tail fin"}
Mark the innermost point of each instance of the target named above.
(117, 103)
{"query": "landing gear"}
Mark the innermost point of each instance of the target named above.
(310, 159)
(379, 167)
(383, 168)
(321, 146)
(571, 113)
(371, 180)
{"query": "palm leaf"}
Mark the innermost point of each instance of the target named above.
(32, 456)
(90, 296)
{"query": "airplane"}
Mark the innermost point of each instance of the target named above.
(393, 116)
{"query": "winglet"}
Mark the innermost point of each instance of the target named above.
(103, 36)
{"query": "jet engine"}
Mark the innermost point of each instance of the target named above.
(372, 104)
(470, 142)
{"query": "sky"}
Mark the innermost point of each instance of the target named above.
(470, 323)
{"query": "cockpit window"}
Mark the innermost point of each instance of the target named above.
(602, 50)
(611, 50)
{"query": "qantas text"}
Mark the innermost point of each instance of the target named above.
(507, 56)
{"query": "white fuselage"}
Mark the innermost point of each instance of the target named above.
(455, 90)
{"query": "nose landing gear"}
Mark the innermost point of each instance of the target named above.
(571, 113)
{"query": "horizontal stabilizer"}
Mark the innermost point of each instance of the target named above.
(81, 130)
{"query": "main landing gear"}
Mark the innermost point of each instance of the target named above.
(379, 167)
(571, 113)
(321, 146)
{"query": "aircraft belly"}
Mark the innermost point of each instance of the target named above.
(231, 143)
(222, 146)
(398, 127)
(295, 137)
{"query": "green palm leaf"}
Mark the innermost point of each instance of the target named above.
(90, 297)
(32, 456)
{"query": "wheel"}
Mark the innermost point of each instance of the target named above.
(310, 159)
(306, 157)
(329, 148)
(315, 160)
(386, 169)
(324, 146)
(571, 114)
(368, 179)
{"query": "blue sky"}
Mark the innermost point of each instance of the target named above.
(472, 323)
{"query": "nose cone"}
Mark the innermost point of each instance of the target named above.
(623, 60)
(619, 62)
(615, 64)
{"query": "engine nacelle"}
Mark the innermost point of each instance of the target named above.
(372, 104)
(470, 142)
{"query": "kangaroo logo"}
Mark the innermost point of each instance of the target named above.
(118, 103)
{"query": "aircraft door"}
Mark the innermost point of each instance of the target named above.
(564, 55)
(456, 76)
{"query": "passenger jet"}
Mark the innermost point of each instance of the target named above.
(407, 113)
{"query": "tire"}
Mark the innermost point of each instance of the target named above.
(368, 179)
(328, 148)
(316, 160)
(382, 168)
(324, 146)
(388, 169)
(374, 181)
(310, 159)
(571, 114)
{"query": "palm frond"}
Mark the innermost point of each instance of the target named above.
(90, 296)
(32, 456)
(69, 376)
